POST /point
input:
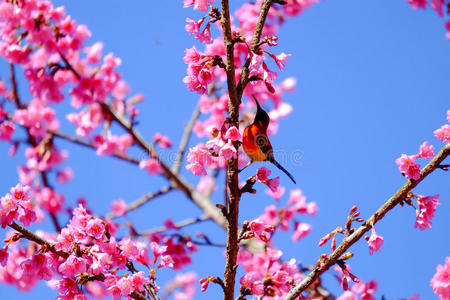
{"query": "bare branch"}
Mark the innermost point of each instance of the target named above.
(367, 225)
(179, 225)
(185, 140)
(143, 200)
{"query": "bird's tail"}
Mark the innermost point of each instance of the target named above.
(282, 169)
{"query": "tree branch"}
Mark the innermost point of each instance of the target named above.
(143, 200)
(254, 46)
(37, 239)
(232, 176)
(185, 140)
(179, 225)
(367, 225)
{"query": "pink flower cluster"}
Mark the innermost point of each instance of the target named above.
(37, 118)
(425, 211)
(216, 151)
(184, 286)
(406, 163)
(112, 144)
(200, 71)
(17, 205)
(436, 5)
(441, 280)
(266, 273)
(282, 216)
(100, 260)
(258, 229)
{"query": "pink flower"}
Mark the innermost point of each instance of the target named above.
(280, 59)
(418, 4)
(205, 35)
(72, 266)
(448, 111)
(193, 27)
(201, 5)
(204, 184)
(228, 151)
(261, 230)
(3, 257)
(441, 280)
(365, 289)
(64, 175)
(139, 280)
(375, 241)
(427, 207)
(95, 228)
(157, 250)
(273, 183)
(301, 230)
(152, 166)
(347, 295)
(443, 133)
(425, 151)
(262, 174)
(119, 207)
(233, 134)
(165, 261)
(125, 284)
(198, 156)
(276, 194)
(162, 140)
(407, 166)
(196, 169)
(7, 129)
(50, 200)
(438, 6)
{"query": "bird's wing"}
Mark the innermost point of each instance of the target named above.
(262, 141)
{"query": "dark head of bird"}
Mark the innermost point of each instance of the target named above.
(261, 118)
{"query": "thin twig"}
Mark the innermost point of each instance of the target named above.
(91, 145)
(367, 225)
(185, 140)
(143, 200)
(179, 225)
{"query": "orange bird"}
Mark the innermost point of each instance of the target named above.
(256, 143)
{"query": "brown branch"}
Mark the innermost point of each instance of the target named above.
(367, 225)
(232, 176)
(179, 225)
(254, 46)
(90, 145)
(37, 239)
(143, 200)
(185, 140)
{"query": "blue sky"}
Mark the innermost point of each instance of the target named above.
(372, 84)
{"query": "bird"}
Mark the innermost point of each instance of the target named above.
(255, 142)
